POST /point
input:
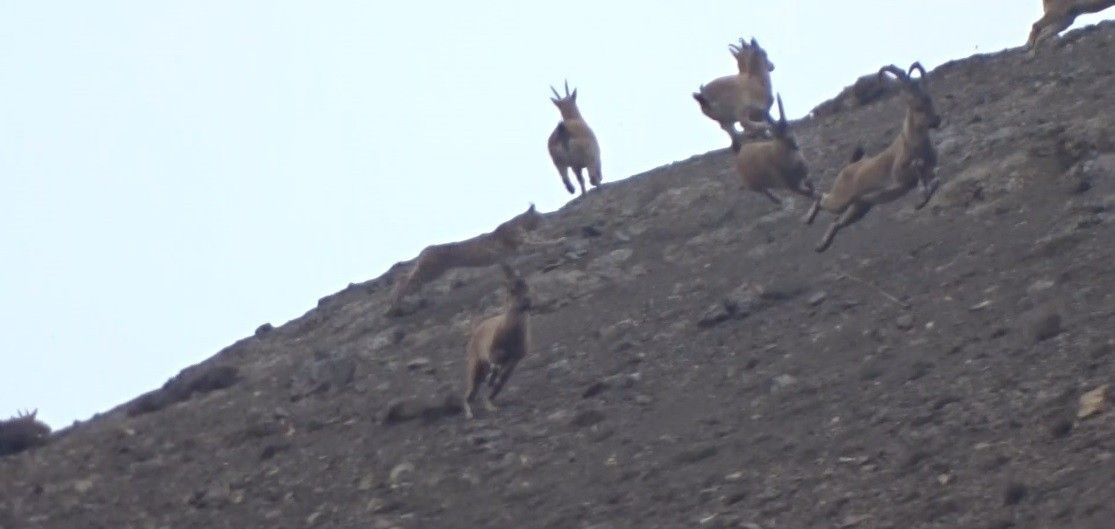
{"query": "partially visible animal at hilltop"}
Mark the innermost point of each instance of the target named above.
(774, 163)
(22, 432)
(498, 343)
(573, 145)
(483, 250)
(909, 160)
(866, 90)
(743, 98)
(1059, 15)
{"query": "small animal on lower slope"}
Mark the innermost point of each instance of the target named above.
(498, 343)
(572, 145)
(909, 160)
(482, 250)
(774, 163)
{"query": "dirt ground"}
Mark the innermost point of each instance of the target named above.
(696, 364)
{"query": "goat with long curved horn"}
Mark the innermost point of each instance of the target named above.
(909, 160)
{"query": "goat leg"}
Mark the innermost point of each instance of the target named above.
(730, 128)
(771, 196)
(855, 211)
(812, 214)
(929, 183)
(504, 374)
(563, 170)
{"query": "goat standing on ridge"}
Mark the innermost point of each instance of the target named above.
(572, 144)
(774, 163)
(482, 250)
(22, 432)
(745, 98)
(890, 174)
(1059, 15)
(498, 343)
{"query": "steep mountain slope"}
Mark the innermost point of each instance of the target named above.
(696, 363)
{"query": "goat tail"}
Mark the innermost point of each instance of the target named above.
(857, 154)
(701, 99)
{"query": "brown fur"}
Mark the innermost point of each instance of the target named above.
(774, 163)
(909, 160)
(22, 432)
(572, 145)
(498, 343)
(479, 251)
(1059, 15)
(744, 98)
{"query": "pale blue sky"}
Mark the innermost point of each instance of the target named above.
(173, 174)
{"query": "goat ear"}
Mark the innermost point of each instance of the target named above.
(531, 208)
(754, 42)
(574, 95)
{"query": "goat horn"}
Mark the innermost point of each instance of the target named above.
(567, 88)
(781, 112)
(554, 90)
(894, 70)
(916, 66)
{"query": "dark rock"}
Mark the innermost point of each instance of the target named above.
(694, 454)
(1042, 324)
(586, 418)
(401, 410)
(264, 329)
(595, 389)
(714, 314)
(1014, 493)
(407, 409)
(1061, 427)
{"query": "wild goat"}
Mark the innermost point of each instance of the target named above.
(482, 250)
(498, 343)
(774, 163)
(572, 144)
(1059, 15)
(890, 174)
(745, 97)
(22, 432)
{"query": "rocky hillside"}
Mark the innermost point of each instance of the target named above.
(696, 363)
